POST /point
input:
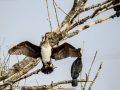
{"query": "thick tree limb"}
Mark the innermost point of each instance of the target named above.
(85, 27)
(15, 68)
(91, 16)
(53, 84)
(22, 72)
(28, 75)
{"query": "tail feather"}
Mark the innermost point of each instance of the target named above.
(48, 70)
(74, 82)
(118, 13)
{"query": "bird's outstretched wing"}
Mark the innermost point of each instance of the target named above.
(63, 51)
(26, 48)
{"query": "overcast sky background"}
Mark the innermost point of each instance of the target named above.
(22, 20)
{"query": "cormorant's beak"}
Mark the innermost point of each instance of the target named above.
(48, 34)
(80, 50)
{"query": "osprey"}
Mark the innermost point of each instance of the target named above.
(45, 52)
(76, 69)
(117, 9)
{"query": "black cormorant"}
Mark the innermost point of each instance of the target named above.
(46, 52)
(76, 69)
(117, 9)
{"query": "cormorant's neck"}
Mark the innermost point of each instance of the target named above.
(46, 40)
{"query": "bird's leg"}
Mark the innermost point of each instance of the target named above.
(46, 65)
(51, 63)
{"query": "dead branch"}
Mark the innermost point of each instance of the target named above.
(49, 16)
(59, 87)
(21, 73)
(70, 14)
(53, 84)
(97, 12)
(71, 22)
(37, 81)
(82, 62)
(56, 14)
(86, 26)
(87, 76)
(101, 8)
(96, 75)
(88, 17)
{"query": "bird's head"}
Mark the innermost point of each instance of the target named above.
(79, 49)
(47, 34)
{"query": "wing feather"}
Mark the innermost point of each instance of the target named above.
(26, 48)
(63, 51)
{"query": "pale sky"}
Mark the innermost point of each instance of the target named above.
(22, 20)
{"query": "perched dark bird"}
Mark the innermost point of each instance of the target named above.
(117, 9)
(46, 52)
(76, 69)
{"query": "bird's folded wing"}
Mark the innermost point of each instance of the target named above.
(63, 51)
(26, 48)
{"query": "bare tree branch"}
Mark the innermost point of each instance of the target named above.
(87, 76)
(56, 14)
(53, 84)
(15, 68)
(21, 73)
(49, 16)
(70, 14)
(88, 17)
(101, 8)
(82, 62)
(86, 26)
(96, 76)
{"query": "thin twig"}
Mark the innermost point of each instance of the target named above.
(96, 76)
(37, 81)
(49, 15)
(101, 8)
(82, 62)
(60, 8)
(56, 14)
(70, 14)
(25, 81)
(84, 3)
(7, 60)
(29, 82)
(90, 70)
(18, 76)
(64, 11)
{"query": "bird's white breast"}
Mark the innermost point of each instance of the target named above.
(46, 53)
